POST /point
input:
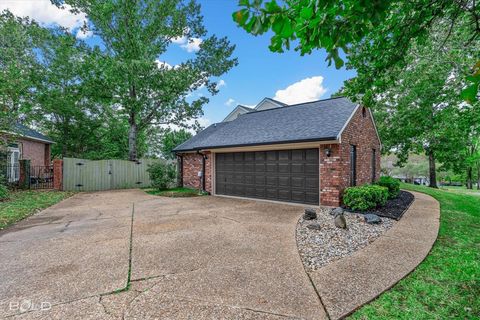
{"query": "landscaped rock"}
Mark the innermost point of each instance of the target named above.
(372, 218)
(336, 211)
(340, 221)
(314, 226)
(310, 214)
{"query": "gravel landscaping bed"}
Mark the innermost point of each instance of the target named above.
(319, 247)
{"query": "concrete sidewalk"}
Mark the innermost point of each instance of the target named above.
(348, 283)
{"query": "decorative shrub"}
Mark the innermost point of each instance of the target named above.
(365, 197)
(392, 184)
(163, 175)
(3, 190)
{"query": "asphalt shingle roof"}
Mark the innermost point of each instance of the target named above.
(25, 131)
(311, 121)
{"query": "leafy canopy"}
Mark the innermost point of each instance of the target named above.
(385, 29)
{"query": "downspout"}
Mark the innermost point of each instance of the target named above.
(180, 170)
(204, 158)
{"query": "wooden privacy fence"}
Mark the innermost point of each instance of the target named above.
(95, 175)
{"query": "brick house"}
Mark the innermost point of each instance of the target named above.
(27, 144)
(305, 153)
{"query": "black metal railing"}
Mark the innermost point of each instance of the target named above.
(41, 177)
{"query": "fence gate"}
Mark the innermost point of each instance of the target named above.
(96, 175)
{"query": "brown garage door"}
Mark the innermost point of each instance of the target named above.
(284, 175)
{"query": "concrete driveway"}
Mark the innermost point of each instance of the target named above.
(109, 255)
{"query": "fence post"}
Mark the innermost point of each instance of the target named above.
(58, 174)
(24, 179)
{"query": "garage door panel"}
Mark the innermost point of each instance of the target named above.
(259, 156)
(298, 182)
(260, 193)
(284, 168)
(298, 196)
(271, 193)
(260, 167)
(285, 175)
(311, 183)
(250, 180)
(311, 169)
(284, 195)
(271, 167)
(272, 155)
(259, 180)
(271, 181)
(284, 182)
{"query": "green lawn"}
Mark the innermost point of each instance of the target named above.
(23, 203)
(463, 190)
(174, 192)
(447, 283)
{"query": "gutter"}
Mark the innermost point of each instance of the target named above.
(256, 144)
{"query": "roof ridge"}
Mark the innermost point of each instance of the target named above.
(294, 105)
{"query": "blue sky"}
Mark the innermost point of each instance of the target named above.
(260, 73)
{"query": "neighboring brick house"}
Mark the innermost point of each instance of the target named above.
(27, 144)
(305, 153)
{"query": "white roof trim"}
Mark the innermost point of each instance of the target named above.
(235, 109)
(339, 136)
(269, 100)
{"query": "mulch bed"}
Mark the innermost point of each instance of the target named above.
(395, 208)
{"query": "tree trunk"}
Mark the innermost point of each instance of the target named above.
(432, 169)
(469, 178)
(132, 141)
(478, 177)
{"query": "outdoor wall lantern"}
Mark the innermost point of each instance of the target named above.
(328, 152)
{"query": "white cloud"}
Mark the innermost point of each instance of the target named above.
(45, 13)
(84, 35)
(230, 102)
(193, 45)
(190, 45)
(305, 90)
(221, 83)
(163, 64)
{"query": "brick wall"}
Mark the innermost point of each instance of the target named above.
(35, 151)
(58, 174)
(192, 164)
(335, 170)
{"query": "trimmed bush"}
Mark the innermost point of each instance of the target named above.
(163, 175)
(365, 197)
(392, 184)
(3, 190)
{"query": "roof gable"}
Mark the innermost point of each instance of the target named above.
(29, 133)
(268, 103)
(311, 121)
(236, 112)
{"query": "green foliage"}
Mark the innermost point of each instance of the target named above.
(135, 35)
(4, 194)
(172, 139)
(365, 197)
(445, 284)
(162, 174)
(392, 184)
(179, 192)
(19, 39)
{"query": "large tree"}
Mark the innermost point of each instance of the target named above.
(19, 39)
(386, 29)
(418, 105)
(135, 34)
(172, 139)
